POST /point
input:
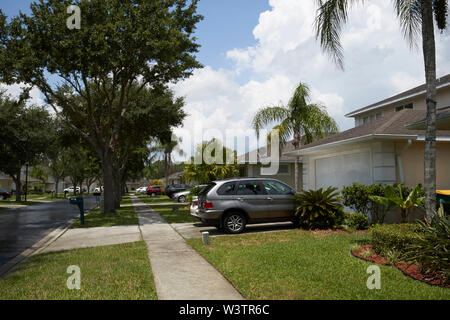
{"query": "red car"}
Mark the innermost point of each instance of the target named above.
(4, 194)
(155, 190)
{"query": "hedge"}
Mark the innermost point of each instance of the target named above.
(386, 237)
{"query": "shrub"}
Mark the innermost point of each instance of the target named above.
(387, 237)
(401, 197)
(356, 221)
(318, 209)
(432, 248)
(357, 197)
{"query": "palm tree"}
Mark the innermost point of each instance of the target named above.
(304, 121)
(416, 18)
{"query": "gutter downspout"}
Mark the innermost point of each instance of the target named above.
(399, 161)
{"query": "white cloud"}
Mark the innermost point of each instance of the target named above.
(378, 64)
(15, 90)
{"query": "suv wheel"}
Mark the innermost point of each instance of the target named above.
(181, 199)
(234, 222)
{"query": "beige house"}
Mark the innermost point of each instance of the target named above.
(381, 148)
(253, 164)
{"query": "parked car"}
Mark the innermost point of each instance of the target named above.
(231, 204)
(141, 190)
(71, 190)
(175, 188)
(155, 190)
(5, 194)
(181, 196)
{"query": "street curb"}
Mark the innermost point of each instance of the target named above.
(38, 247)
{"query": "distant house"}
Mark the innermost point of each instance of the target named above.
(285, 164)
(385, 146)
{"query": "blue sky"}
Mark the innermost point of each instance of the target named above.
(226, 24)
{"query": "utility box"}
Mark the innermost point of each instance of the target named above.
(79, 201)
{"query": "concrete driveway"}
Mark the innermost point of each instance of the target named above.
(194, 230)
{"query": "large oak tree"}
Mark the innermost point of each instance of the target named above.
(121, 44)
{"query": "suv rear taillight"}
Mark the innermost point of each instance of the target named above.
(207, 205)
(195, 203)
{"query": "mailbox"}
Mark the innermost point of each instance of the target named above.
(80, 203)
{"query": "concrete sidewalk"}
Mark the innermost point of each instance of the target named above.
(180, 272)
(95, 237)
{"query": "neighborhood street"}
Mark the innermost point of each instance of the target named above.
(22, 227)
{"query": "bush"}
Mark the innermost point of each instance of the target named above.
(432, 249)
(357, 197)
(398, 237)
(318, 209)
(356, 221)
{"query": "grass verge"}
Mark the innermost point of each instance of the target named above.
(180, 216)
(111, 272)
(123, 216)
(156, 199)
(302, 265)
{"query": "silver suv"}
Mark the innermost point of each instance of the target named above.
(231, 204)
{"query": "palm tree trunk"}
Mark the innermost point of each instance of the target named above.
(429, 53)
(296, 165)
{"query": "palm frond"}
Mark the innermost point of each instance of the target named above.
(317, 124)
(409, 14)
(330, 18)
(440, 8)
(267, 116)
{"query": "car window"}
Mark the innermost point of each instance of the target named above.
(249, 188)
(205, 190)
(227, 189)
(275, 187)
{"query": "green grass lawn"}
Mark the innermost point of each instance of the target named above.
(180, 216)
(111, 272)
(123, 216)
(155, 199)
(299, 265)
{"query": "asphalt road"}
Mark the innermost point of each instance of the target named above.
(22, 227)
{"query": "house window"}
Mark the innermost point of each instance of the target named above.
(378, 116)
(409, 106)
(405, 106)
(365, 120)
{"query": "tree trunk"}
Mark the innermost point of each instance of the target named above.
(296, 165)
(166, 162)
(429, 54)
(18, 187)
(109, 185)
(56, 187)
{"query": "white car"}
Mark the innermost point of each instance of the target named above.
(71, 190)
(98, 190)
(141, 190)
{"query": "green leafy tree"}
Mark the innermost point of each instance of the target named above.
(205, 172)
(416, 19)
(397, 197)
(39, 173)
(121, 44)
(23, 137)
(301, 119)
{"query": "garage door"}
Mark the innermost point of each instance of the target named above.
(343, 170)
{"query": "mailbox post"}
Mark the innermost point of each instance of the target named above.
(80, 203)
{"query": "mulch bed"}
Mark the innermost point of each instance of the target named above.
(413, 271)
